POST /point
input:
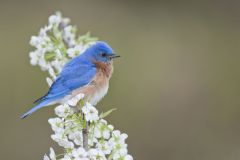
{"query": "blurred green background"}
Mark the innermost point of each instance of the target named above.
(176, 86)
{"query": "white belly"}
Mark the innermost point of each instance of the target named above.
(98, 95)
(93, 97)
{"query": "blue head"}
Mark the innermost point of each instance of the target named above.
(100, 52)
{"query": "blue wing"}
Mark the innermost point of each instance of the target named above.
(71, 78)
(75, 74)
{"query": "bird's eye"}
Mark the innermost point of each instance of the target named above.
(103, 54)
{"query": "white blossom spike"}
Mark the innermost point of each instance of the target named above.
(75, 120)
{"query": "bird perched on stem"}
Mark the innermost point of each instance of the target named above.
(88, 73)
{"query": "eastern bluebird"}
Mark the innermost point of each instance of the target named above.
(88, 73)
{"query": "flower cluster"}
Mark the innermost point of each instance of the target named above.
(56, 44)
(77, 121)
(103, 141)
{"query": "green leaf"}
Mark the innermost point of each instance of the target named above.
(49, 56)
(105, 114)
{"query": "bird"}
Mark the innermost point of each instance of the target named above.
(88, 73)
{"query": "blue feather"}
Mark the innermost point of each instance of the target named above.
(35, 108)
(71, 78)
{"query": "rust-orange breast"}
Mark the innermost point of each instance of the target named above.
(98, 87)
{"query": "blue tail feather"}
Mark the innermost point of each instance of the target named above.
(35, 108)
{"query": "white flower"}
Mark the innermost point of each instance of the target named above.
(119, 157)
(95, 154)
(74, 100)
(118, 137)
(128, 157)
(73, 52)
(76, 136)
(120, 149)
(46, 157)
(92, 141)
(79, 153)
(118, 143)
(110, 127)
(90, 112)
(52, 155)
(103, 130)
(43, 31)
(69, 36)
(35, 41)
(66, 21)
(104, 146)
(66, 157)
(54, 19)
(57, 65)
(63, 111)
(52, 73)
(34, 58)
(43, 64)
(62, 140)
(57, 124)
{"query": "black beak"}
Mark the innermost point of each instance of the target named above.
(114, 56)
